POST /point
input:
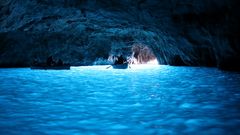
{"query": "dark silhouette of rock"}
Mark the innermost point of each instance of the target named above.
(50, 61)
(60, 62)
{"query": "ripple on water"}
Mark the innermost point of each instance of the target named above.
(188, 106)
(96, 100)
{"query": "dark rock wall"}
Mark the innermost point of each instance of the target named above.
(180, 32)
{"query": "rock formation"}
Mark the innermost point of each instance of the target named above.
(179, 32)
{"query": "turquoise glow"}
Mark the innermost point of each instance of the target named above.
(140, 100)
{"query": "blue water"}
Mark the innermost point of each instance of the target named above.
(95, 100)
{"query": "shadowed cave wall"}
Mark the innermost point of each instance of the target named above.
(179, 32)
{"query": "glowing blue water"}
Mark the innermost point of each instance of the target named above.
(96, 100)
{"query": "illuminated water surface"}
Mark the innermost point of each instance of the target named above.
(140, 100)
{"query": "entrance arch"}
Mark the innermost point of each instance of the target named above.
(142, 54)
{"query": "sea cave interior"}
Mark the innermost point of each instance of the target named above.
(120, 67)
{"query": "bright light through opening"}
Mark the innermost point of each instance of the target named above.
(142, 54)
(153, 62)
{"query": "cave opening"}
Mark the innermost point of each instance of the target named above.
(135, 54)
(142, 54)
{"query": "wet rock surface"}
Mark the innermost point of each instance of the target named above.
(179, 32)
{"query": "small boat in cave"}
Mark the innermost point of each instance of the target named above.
(120, 62)
(56, 67)
(120, 66)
